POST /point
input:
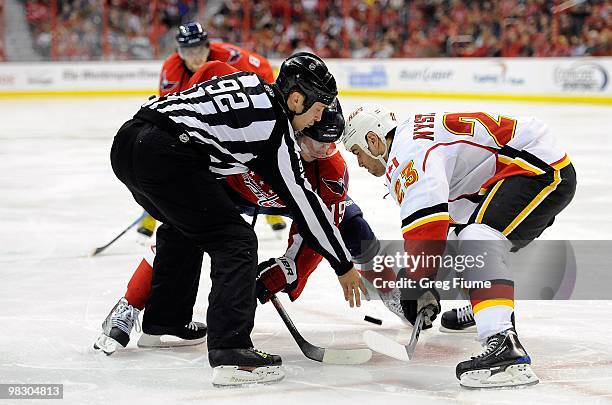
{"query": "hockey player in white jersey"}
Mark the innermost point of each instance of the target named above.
(495, 179)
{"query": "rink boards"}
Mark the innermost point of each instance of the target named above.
(569, 80)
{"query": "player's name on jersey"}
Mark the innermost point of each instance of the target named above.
(445, 285)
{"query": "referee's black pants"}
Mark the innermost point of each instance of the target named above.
(171, 181)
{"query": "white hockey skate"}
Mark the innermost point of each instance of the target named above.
(117, 327)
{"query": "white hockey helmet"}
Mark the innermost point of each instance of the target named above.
(368, 117)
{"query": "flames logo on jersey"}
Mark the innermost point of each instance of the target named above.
(337, 186)
(165, 84)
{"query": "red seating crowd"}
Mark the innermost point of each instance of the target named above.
(141, 29)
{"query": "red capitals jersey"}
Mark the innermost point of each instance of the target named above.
(176, 77)
(210, 70)
(328, 177)
(241, 59)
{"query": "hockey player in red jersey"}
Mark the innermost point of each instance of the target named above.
(178, 71)
(194, 49)
(326, 171)
(499, 180)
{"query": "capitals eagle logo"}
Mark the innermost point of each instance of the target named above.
(337, 186)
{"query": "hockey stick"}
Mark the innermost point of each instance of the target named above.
(255, 215)
(102, 248)
(321, 354)
(389, 347)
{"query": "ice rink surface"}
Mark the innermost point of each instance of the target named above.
(59, 199)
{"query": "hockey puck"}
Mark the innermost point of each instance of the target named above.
(372, 320)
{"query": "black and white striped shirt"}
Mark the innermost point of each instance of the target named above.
(238, 122)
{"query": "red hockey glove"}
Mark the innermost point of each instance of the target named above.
(275, 275)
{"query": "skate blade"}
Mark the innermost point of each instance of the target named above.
(469, 329)
(233, 376)
(106, 344)
(517, 375)
(147, 340)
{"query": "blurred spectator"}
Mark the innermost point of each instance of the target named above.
(133, 26)
(140, 29)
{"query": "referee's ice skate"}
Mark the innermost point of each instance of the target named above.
(235, 367)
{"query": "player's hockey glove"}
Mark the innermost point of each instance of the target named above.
(274, 275)
(417, 298)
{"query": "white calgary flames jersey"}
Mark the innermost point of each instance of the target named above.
(441, 163)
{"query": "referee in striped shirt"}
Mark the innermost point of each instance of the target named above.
(171, 156)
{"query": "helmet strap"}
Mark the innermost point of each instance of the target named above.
(380, 158)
